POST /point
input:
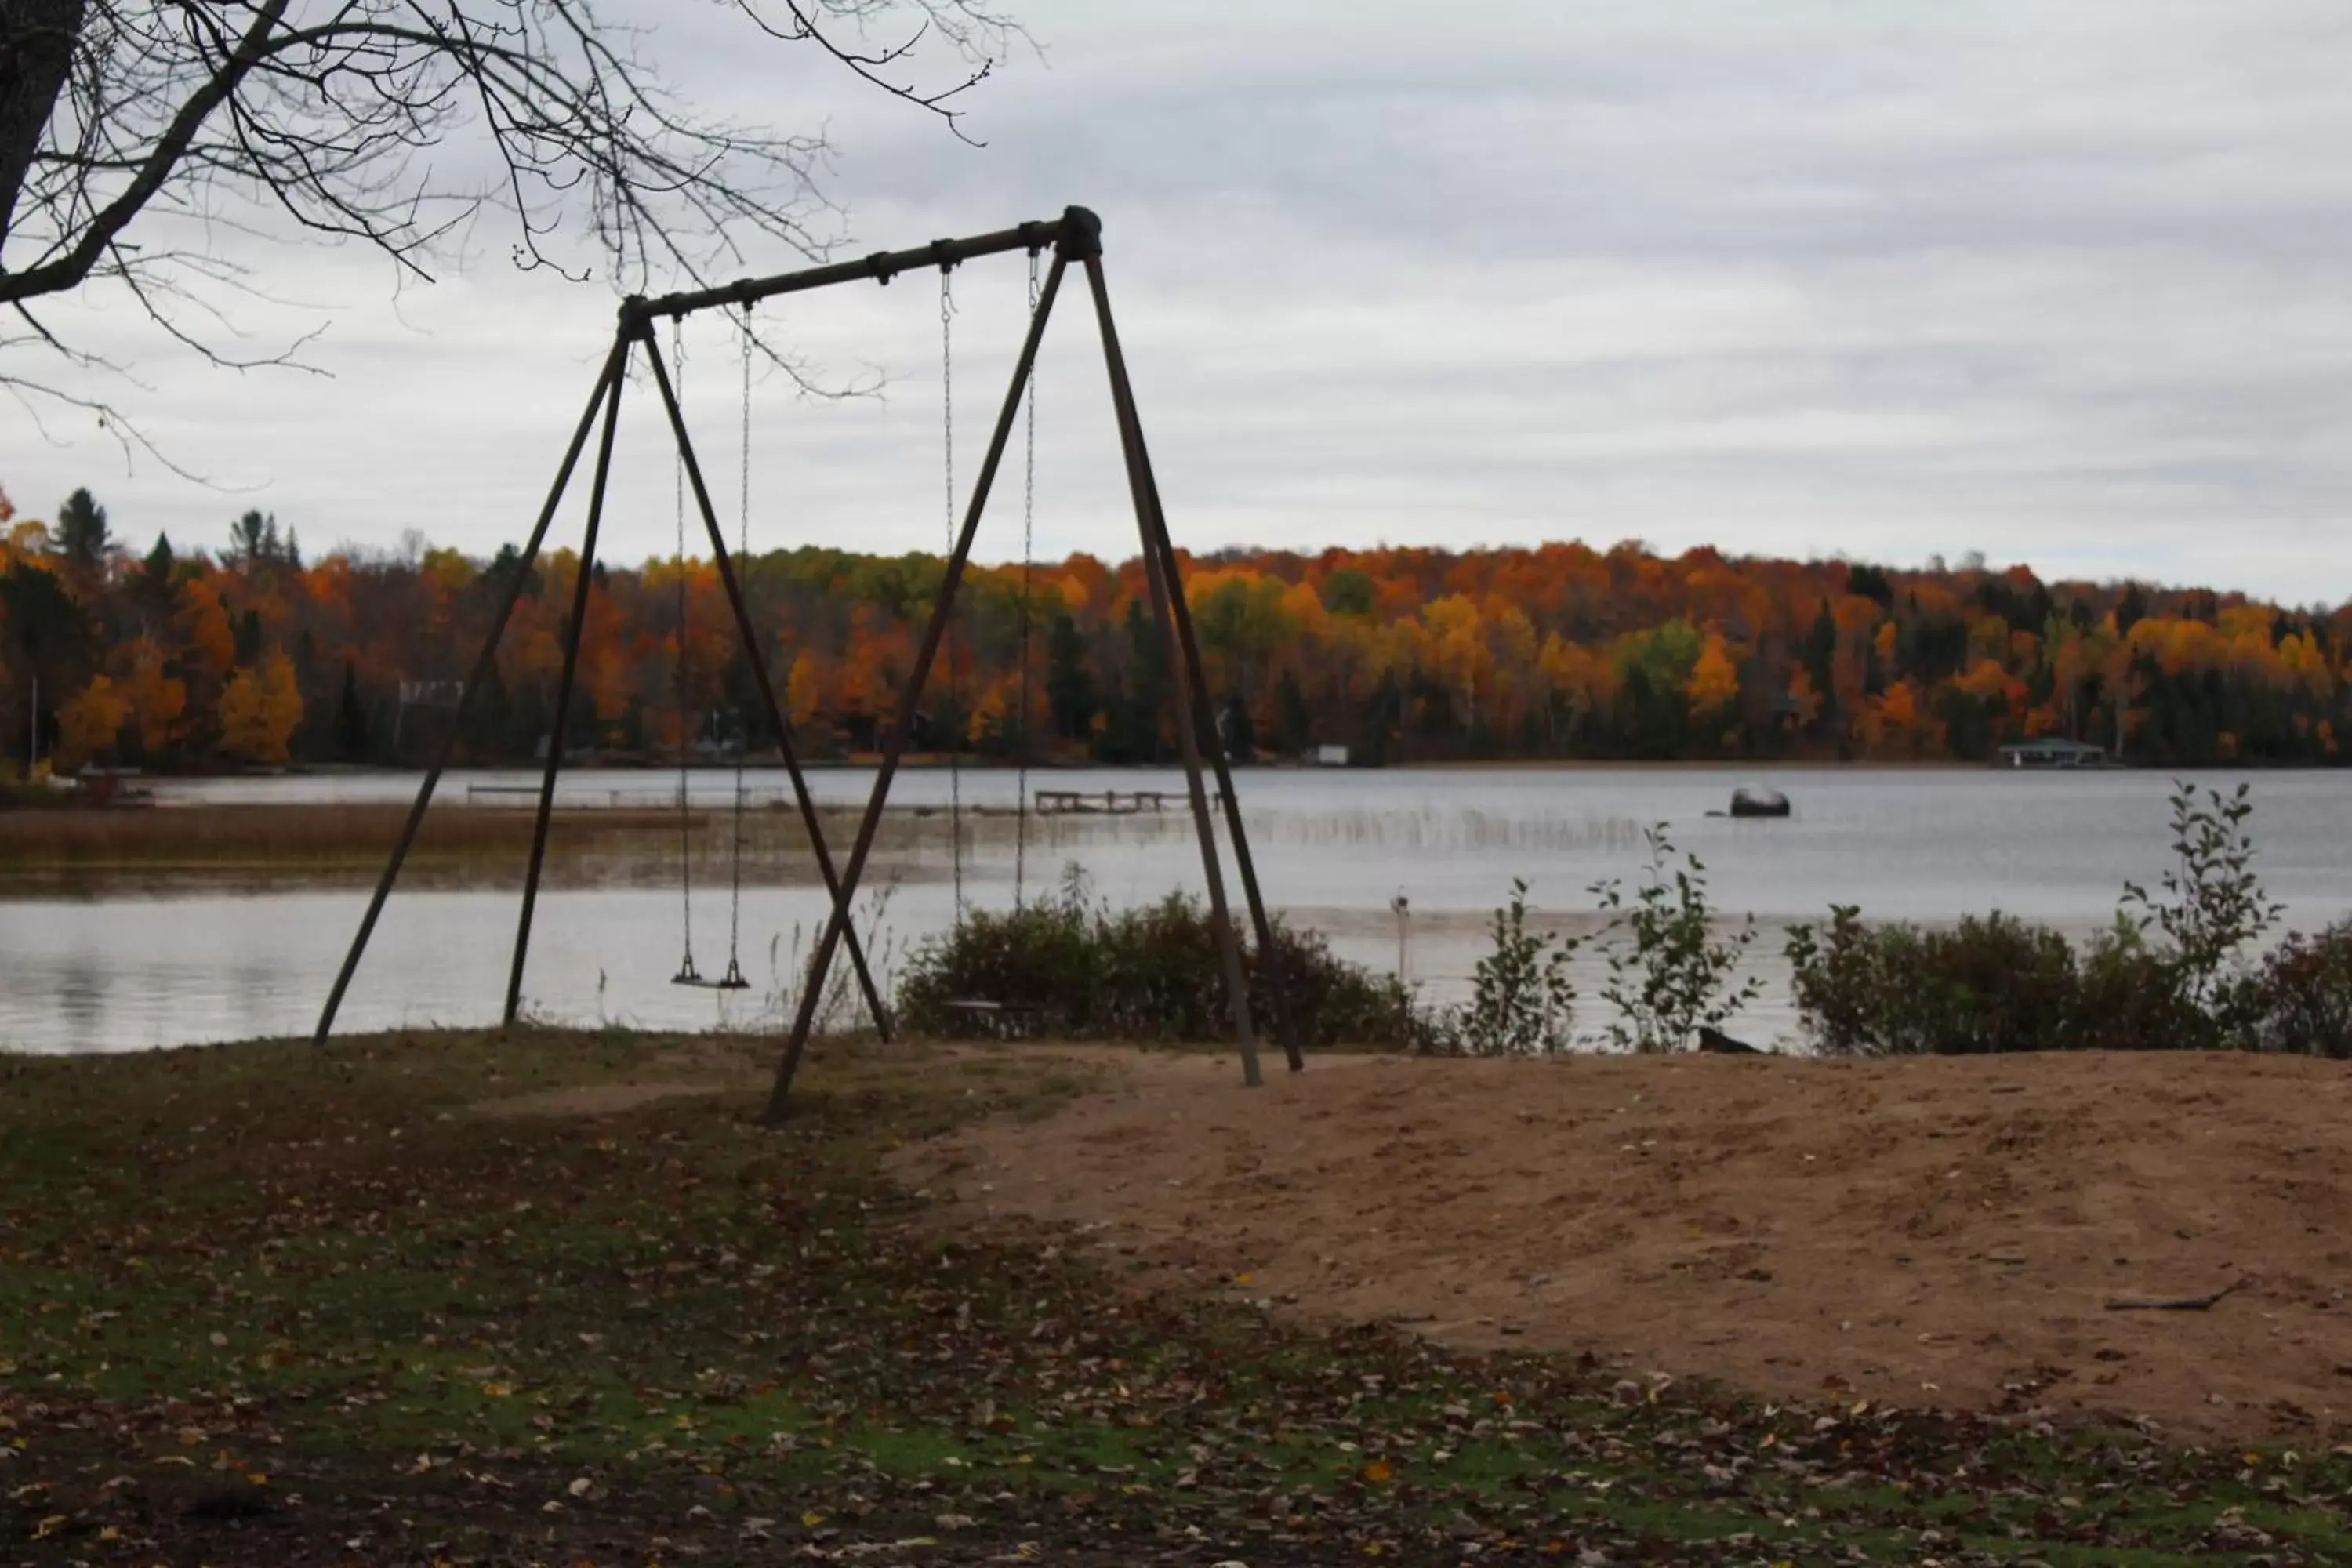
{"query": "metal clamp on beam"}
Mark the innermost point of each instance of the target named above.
(1080, 233)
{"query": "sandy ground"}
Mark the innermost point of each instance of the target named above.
(1941, 1232)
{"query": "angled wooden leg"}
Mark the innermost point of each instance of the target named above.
(564, 693)
(902, 724)
(607, 379)
(1277, 981)
(1130, 435)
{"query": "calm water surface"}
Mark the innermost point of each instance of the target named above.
(114, 965)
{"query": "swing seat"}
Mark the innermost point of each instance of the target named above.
(732, 980)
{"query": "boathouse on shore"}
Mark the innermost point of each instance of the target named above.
(2053, 752)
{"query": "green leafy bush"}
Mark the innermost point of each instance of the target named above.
(1069, 968)
(2132, 995)
(1990, 984)
(2212, 906)
(2299, 999)
(1676, 975)
(1522, 1002)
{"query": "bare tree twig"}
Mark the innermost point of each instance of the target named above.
(399, 125)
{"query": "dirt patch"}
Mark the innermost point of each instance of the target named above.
(1940, 1233)
(599, 1098)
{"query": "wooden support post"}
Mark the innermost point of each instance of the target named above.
(1157, 572)
(902, 724)
(750, 637)
(558, 726)
(1277, 981)
(608, 379)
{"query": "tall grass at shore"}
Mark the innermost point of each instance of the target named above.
(340, 835)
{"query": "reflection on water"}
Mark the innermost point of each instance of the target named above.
(124, 963)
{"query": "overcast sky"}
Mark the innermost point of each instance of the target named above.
(2068, 285)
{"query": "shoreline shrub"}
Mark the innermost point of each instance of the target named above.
(1993, 983)
(2213, 906)
(1078, 970)
(1676, 976)
(1522, 1002)
(2134, 996)
(2298, 1000)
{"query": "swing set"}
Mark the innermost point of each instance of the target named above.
(1074, 238)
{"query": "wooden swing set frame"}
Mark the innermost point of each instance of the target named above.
(1074, 238)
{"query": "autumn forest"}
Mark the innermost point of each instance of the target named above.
(243, 651)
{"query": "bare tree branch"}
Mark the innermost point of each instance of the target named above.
(358, 120)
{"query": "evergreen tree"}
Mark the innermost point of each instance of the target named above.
(53, 633)
(351, 718)
(1070, 687)
(1349, 592)
(1295, 725)
(501, 572)
(2130, 610)
(488, 717)
(1147, 687)
(1871, 583)
(1236, 732)
(159, 563)
(81, 532)
(1820, 656)
(253, 536)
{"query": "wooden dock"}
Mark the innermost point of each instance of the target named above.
(1112, 802)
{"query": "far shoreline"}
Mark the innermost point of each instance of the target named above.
(869, 762)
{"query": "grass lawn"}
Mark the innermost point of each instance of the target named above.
(263, 1304)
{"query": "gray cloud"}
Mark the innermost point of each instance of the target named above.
(2061, 285)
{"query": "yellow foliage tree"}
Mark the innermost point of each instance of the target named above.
(804, 690)
(987, 716)
(1713, 681)
(260, 709)
(157, 699)
(88, 723)
(1804, 702)
(1460, 654)
(1893, 723)
(203, 622)
(1583, 678)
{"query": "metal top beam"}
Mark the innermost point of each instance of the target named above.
(1077, 233)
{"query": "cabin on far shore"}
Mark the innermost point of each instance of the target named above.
(2053, 752)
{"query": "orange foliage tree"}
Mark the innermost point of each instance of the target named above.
(1559, 650)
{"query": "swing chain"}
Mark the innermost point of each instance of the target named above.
(947, 424)
(743, 521)
(1028, 619)
(743, 729)
(686, 970)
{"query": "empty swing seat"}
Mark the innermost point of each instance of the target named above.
(732, 980)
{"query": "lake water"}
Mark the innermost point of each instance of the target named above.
(114, 964)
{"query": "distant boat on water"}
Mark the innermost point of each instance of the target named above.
(1755, 800)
